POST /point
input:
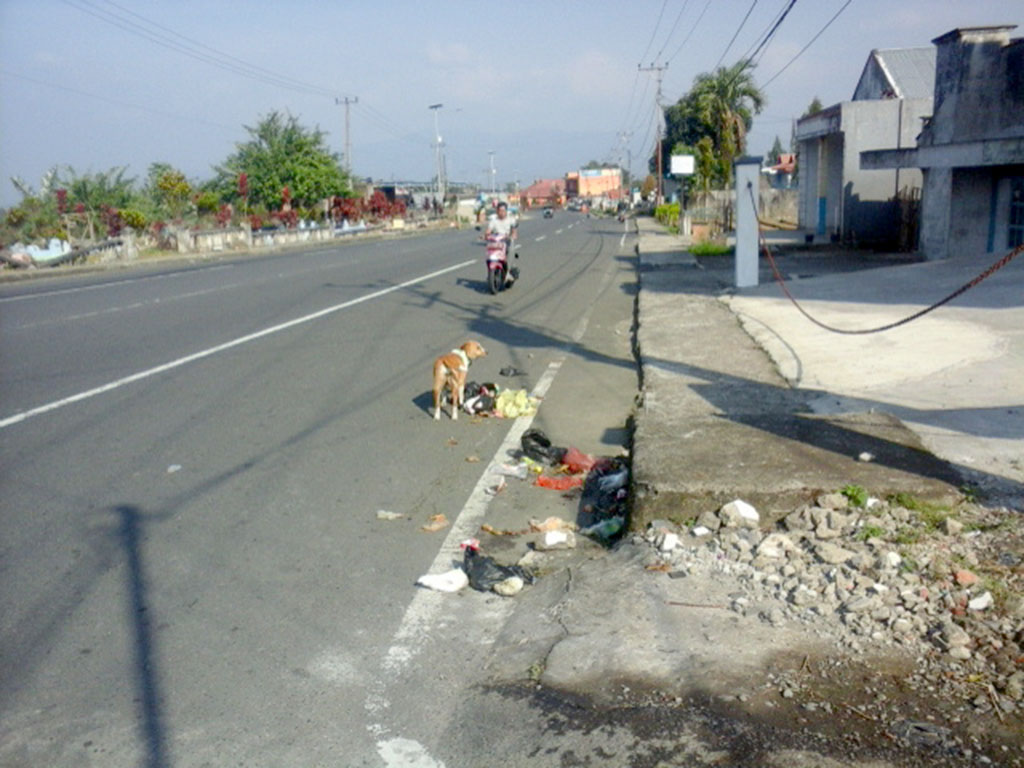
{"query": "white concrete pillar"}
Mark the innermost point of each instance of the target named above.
(747, 172)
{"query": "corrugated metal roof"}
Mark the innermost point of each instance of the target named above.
(911, 70)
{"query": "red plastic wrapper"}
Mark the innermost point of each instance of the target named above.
(561, 482)
(576, 461)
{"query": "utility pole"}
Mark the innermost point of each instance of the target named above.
(493, 171)
(624, 137)
(661, 121)
(439, 188)
(348, 143)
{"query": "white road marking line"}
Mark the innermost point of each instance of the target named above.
(82, 288)
(426, 605)
(539, 238)
(421, 615)
(558, 231)
(24, 415)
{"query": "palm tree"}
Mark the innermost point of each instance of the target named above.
(727, 101)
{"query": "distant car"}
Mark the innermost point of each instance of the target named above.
(549, 213)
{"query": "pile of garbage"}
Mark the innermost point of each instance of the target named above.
(867, 574)
(490, 399)
(602, 485)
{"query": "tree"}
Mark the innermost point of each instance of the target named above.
(775, 154)
(813, 108)
(168, 188)
(720, 106)
(281, 153)
(726, 102)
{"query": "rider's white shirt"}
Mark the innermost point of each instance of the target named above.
(501, 227)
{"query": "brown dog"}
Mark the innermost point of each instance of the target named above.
(450, 373)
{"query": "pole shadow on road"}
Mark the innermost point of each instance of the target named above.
(141, 618)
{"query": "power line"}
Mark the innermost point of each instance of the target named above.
(672, 31)
(800, 52)
(654, 34)
(735, 34)
(118, 102)
(771, 33)
(194, 49)
(690, 33)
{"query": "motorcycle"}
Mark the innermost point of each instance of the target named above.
(499, 276)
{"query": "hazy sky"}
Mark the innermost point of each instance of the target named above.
(547, 85)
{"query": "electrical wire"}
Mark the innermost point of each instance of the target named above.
(654, 34)
(690, 33)
(193, 49)
(118, 102)
(801, 51)
(672, 31)
(735, 35)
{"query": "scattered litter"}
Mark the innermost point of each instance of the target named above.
(173, 468)
(496, 489)
(537, 446)
(575, 461)
(384, 514)
(479, 398)
(509, 587)
(451, 442)
(513, 403)
(513, 470)
(488, 528)
(472, 459)
(660, 567)
(449, 581)
(484, 573)
(508, 370)
(556, 540)
(605, 529)
(551, 524)
(561, 482)
(435, 523)
(866, 456)
(701, 530)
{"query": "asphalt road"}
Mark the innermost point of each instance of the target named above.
(192, 458)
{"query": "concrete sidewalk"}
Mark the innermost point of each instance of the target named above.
(744, 397)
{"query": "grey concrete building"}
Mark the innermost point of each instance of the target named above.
(971, 151)
(839, 199)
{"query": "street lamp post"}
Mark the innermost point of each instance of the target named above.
(439, 187)
(493, 171)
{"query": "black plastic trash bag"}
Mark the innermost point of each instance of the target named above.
(484, 572)
(538, 447)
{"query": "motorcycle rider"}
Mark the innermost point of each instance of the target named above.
(505, 225)
(501, 223)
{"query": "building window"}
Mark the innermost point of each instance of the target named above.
(1016, 235)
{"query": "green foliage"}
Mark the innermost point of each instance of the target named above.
(813, 108)
(721, 107)
(775, 154)
(667, 214)
(168, 189)
(281, 153)
(207, 202)
(93, 191)
(134, 218)
(870, 532)
(711, 248)
(856, 495)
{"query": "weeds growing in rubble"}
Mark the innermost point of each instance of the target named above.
(856, 495)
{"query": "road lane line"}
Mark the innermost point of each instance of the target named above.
(426, 604)
(24, 415)
(111, 284)
(539, 238)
